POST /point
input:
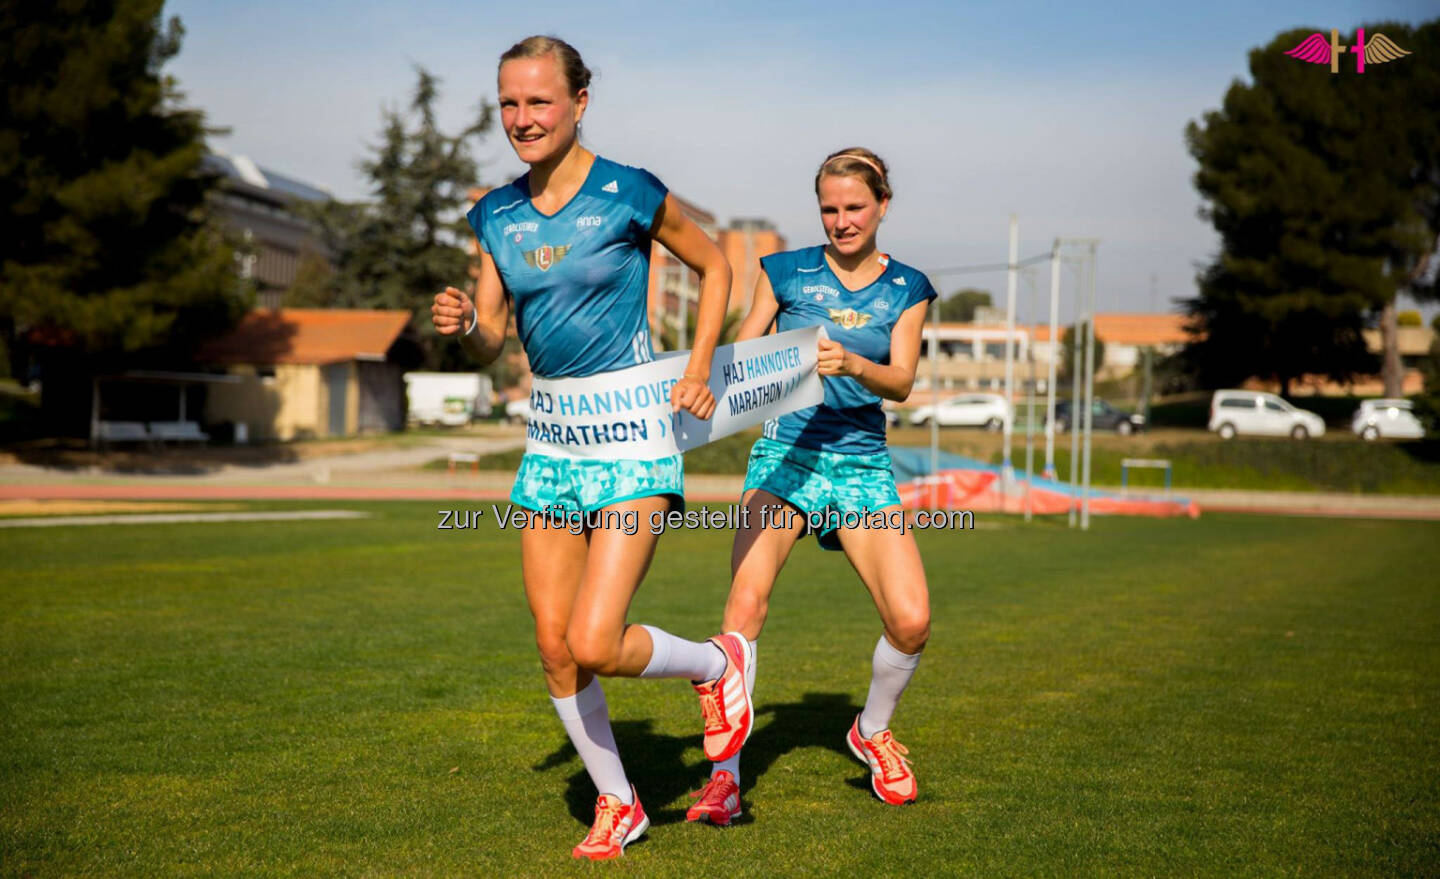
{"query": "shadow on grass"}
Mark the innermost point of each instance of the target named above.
(658, 767)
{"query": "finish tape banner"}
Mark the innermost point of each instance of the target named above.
(626, 413)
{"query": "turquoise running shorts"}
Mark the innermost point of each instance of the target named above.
(827, 484)
(587, 484)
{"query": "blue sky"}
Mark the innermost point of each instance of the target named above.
(1069, 115)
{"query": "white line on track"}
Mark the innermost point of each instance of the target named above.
(169, 518)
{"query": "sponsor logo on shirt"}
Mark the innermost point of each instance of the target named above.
(522, 227)
(900, 282)
(612, 186)
(545, 256)
(849, 318)
(820, 288)
(880, 305)
(588, 222)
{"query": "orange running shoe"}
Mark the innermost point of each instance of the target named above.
(719, 801)
(725, 703)
(616, 826)
(890, 775)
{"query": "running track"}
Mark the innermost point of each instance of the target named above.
(1266, 503)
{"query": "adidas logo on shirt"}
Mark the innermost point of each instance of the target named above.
(900, 282)
(612, 186)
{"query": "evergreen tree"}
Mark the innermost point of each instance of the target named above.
(1325, 189)
(960, 306)
(411, 240)
(106, 256)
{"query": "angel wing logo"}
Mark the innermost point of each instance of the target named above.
(849, 318)
(545, 256)
(1377, 50)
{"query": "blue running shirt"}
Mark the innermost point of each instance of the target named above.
(578, 278)
(850, 421)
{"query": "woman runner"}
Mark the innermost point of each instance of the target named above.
(567, 246)
(831, 459)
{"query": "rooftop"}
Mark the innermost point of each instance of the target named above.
(308, 335)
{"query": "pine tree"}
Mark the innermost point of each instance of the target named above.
(1325, 189)
(106, 255)
(410, 240)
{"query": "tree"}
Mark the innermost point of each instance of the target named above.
(960, 306)
(409, 242)
(106, 253)
(1067, 351)
(1325, 189)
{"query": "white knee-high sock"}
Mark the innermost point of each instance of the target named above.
(587, 721)
(732, 765)
(890, 672)
(675, 657)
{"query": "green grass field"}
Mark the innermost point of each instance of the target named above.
(1230, 696)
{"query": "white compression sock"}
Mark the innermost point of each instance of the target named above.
(677, 658)
(587, 721)
(890, 672)
(732, 765)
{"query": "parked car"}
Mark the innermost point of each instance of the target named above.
(1103, 416)
(1257, 413)
(1388, 419)
(990, 411)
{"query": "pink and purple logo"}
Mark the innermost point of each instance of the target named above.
(1378, 50)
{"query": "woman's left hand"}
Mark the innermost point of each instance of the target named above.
(834, 359)
(692, 395)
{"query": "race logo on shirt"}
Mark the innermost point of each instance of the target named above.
(849, 318)
(545, 256)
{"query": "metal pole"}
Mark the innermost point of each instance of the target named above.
(1074, 422)
(1007, 472)
(935, 404)
(1030, 397)
(1054, 361)
(1089, 390)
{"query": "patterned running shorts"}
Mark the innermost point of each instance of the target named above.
(822, 482)
(587, 484)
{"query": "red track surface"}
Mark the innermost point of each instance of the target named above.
(160, 491)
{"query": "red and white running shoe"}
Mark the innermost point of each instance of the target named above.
(725, 702)
(719, 801)
(890, 775)
(616, 826)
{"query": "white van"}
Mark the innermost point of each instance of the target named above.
(1256, 413)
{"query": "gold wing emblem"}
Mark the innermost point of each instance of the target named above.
(848, 318)
(1380, 48)
(545, 256)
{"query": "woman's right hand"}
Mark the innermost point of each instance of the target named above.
(453, 312)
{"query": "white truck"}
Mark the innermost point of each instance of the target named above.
(449, 398)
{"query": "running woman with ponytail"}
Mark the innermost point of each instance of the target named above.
(831, 459)
(567, 247)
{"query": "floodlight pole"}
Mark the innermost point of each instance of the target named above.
(1074, 421)
(935, 405)
(1030, 397)
(1007, 471)
(1054, 360)
(1089, 390)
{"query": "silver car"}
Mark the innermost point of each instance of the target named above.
(1257, 413)
(1386, 419)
